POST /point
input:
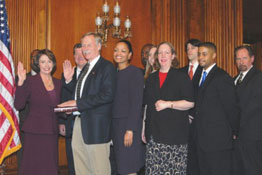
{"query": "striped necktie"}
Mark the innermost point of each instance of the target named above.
(240, 79)
(79, 82)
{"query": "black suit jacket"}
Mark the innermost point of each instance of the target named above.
(96, 102)
(195, 80)
(168, 126)
(67, 94)
(250, 101)
(196, 77)
(217, 116)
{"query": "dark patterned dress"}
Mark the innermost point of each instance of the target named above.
(167, 130)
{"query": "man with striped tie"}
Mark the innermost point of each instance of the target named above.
(93, 96)
(248, 82)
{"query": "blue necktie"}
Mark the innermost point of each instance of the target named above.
(203, 78)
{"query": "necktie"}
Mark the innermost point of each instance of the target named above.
(240, 79)
(203, 78)
(190, 73)
(79, 82)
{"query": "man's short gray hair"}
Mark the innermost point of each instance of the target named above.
(97, 36)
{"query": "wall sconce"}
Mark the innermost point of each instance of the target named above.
(102, 26)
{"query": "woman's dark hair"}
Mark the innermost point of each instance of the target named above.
(33, 55)
(128, 44)
(49, 54)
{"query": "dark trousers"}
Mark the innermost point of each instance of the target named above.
(192, 160)
(69, 154)
(248, 158)
(215, 163)
(112, 161)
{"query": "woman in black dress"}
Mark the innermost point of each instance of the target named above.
(127, 117)
(168, 96)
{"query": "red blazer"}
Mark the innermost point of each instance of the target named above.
(41, 118)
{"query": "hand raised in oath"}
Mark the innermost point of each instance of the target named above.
(68, 70)
(21, 72)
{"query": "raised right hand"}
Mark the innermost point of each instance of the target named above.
(68, 70)
(21, 72)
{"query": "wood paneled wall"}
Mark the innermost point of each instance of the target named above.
(28, 27)
(258, 55)
(169, 24)
(58, 25)
(222, 27)
(71, 19)
(218, 21)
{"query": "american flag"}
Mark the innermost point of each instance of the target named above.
(9, 128)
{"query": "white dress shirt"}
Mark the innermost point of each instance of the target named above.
(244, 74)
(91, 65)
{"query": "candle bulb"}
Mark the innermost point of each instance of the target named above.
(116, 22)
(117, 8)
(98, 21)
(105, 7)
(128, 23)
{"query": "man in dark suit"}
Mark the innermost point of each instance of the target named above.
(23, 113)
(66, 124)
(216, 117)
(93, 97)
(249, 90)
(194, 70)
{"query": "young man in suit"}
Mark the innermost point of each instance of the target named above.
(249, 90)
(216, 115)
(93, 97)
(66, 126)
(194, 70)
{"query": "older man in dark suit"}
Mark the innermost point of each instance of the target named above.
(93, 96)
(249, 90)
(194, 70)
(216, 115)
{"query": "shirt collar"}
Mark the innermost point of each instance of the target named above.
(78, 69)
(245, 72)
(195, 64)
(209, 68)
(94, 61)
